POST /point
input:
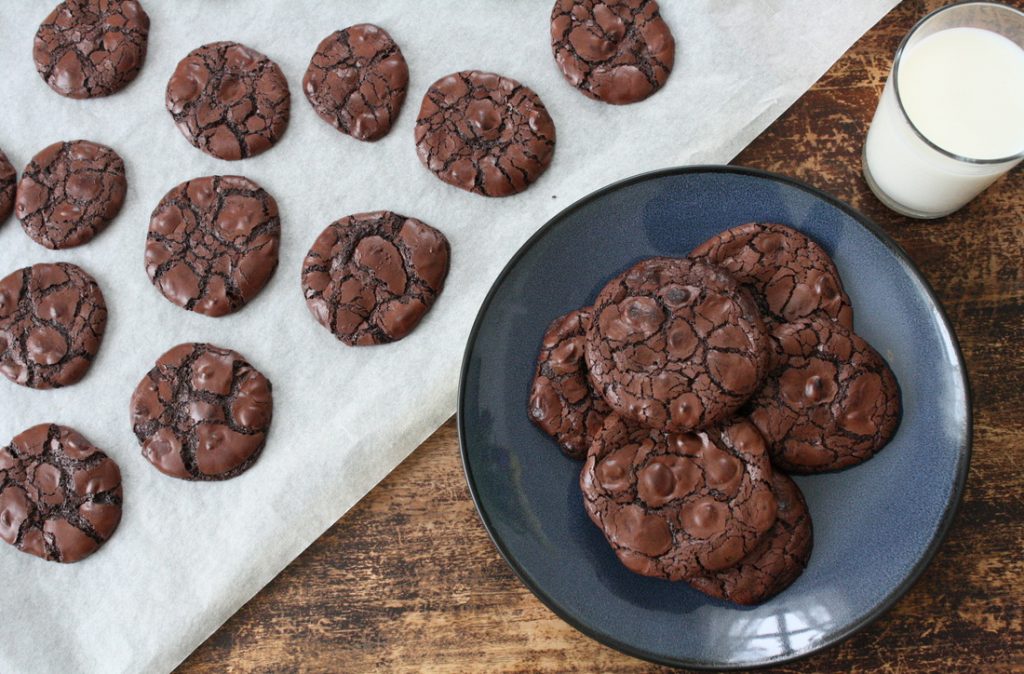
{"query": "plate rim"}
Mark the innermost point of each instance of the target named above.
(963, 460)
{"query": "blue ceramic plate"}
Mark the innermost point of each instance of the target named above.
(876, 526)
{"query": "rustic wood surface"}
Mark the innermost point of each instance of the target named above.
(409, 581)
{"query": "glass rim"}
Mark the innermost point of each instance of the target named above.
(896, 82)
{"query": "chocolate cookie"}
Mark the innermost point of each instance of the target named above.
(8, 184)
(91, 48)
(616, 51)
(212, 243)
(676, 344)
(70, 192)
(678, 505)
(356, 81)
(370, 277)
(485, 133)
(52, 319)
(229, 101)
(777, 561)
(563, 404)
(790, 276)
(830, 401)
(202, 413)
(60, 497)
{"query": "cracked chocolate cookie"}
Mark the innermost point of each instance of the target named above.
(70, 192)
(212, 243)
(371, 277)
(52, 319)
(563, 404)
(202, 413)
(616, 51)
(356, 81)
(790, 275)
(8, 185)
(830, 401)
(91, 48)
(484, 133)
(60, 497)
(679, 505)
(777, 561)
(229, 101)
(676, 344)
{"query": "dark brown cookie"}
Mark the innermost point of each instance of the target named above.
(229, 101)
(212, 243)
(371, 277)
(70, 192)
(485, 133)
(60, 497)
(202, 413)
(91, 48)
(676, 344)
(8, 185)
(678, 505)
(777, 561)
(356, 81)
(790, 276)
(562, 402)
(616, 51)
(52, 319)
(830, 401)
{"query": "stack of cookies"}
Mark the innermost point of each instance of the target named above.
(691, 385)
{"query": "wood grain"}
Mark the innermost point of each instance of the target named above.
(408, 581)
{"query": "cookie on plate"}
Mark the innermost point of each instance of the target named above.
(8, 186)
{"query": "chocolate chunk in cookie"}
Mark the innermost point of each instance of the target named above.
(229, 101)
(371, 277)
(676, 344)
(202, 413)
(616, 51)
(213, 243)
(91, 48)
(790, 276)
(60, 497)
(356, 81)
(485, 133)
(562, 402)
(8, 185)
(52, 319)
(830, 401)
(70, 192)
(679, 505)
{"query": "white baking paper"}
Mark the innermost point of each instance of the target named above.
(187, 555)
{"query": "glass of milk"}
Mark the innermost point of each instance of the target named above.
(951, 117)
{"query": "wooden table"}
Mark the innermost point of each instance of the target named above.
(409, 581)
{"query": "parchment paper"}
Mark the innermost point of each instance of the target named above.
(187, 555)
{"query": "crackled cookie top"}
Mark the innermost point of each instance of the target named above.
(60, 497)
(70, 192)
(91, 48)
(213, 243)
(8, 184)
(228, 100)
(485, 133)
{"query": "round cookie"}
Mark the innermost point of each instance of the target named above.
(202, 413)
(830, 401)
(676, 344)
(484, 133)
(229, 101)
(371, 277)
(790, 276)
(678, 505)
(563, 404)
(8, 185)
(91, 48)
(52, 319)
(356, 81)
(777, 561)
(213, 243)
(70, 192)
(616, 51)
(60, 497)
